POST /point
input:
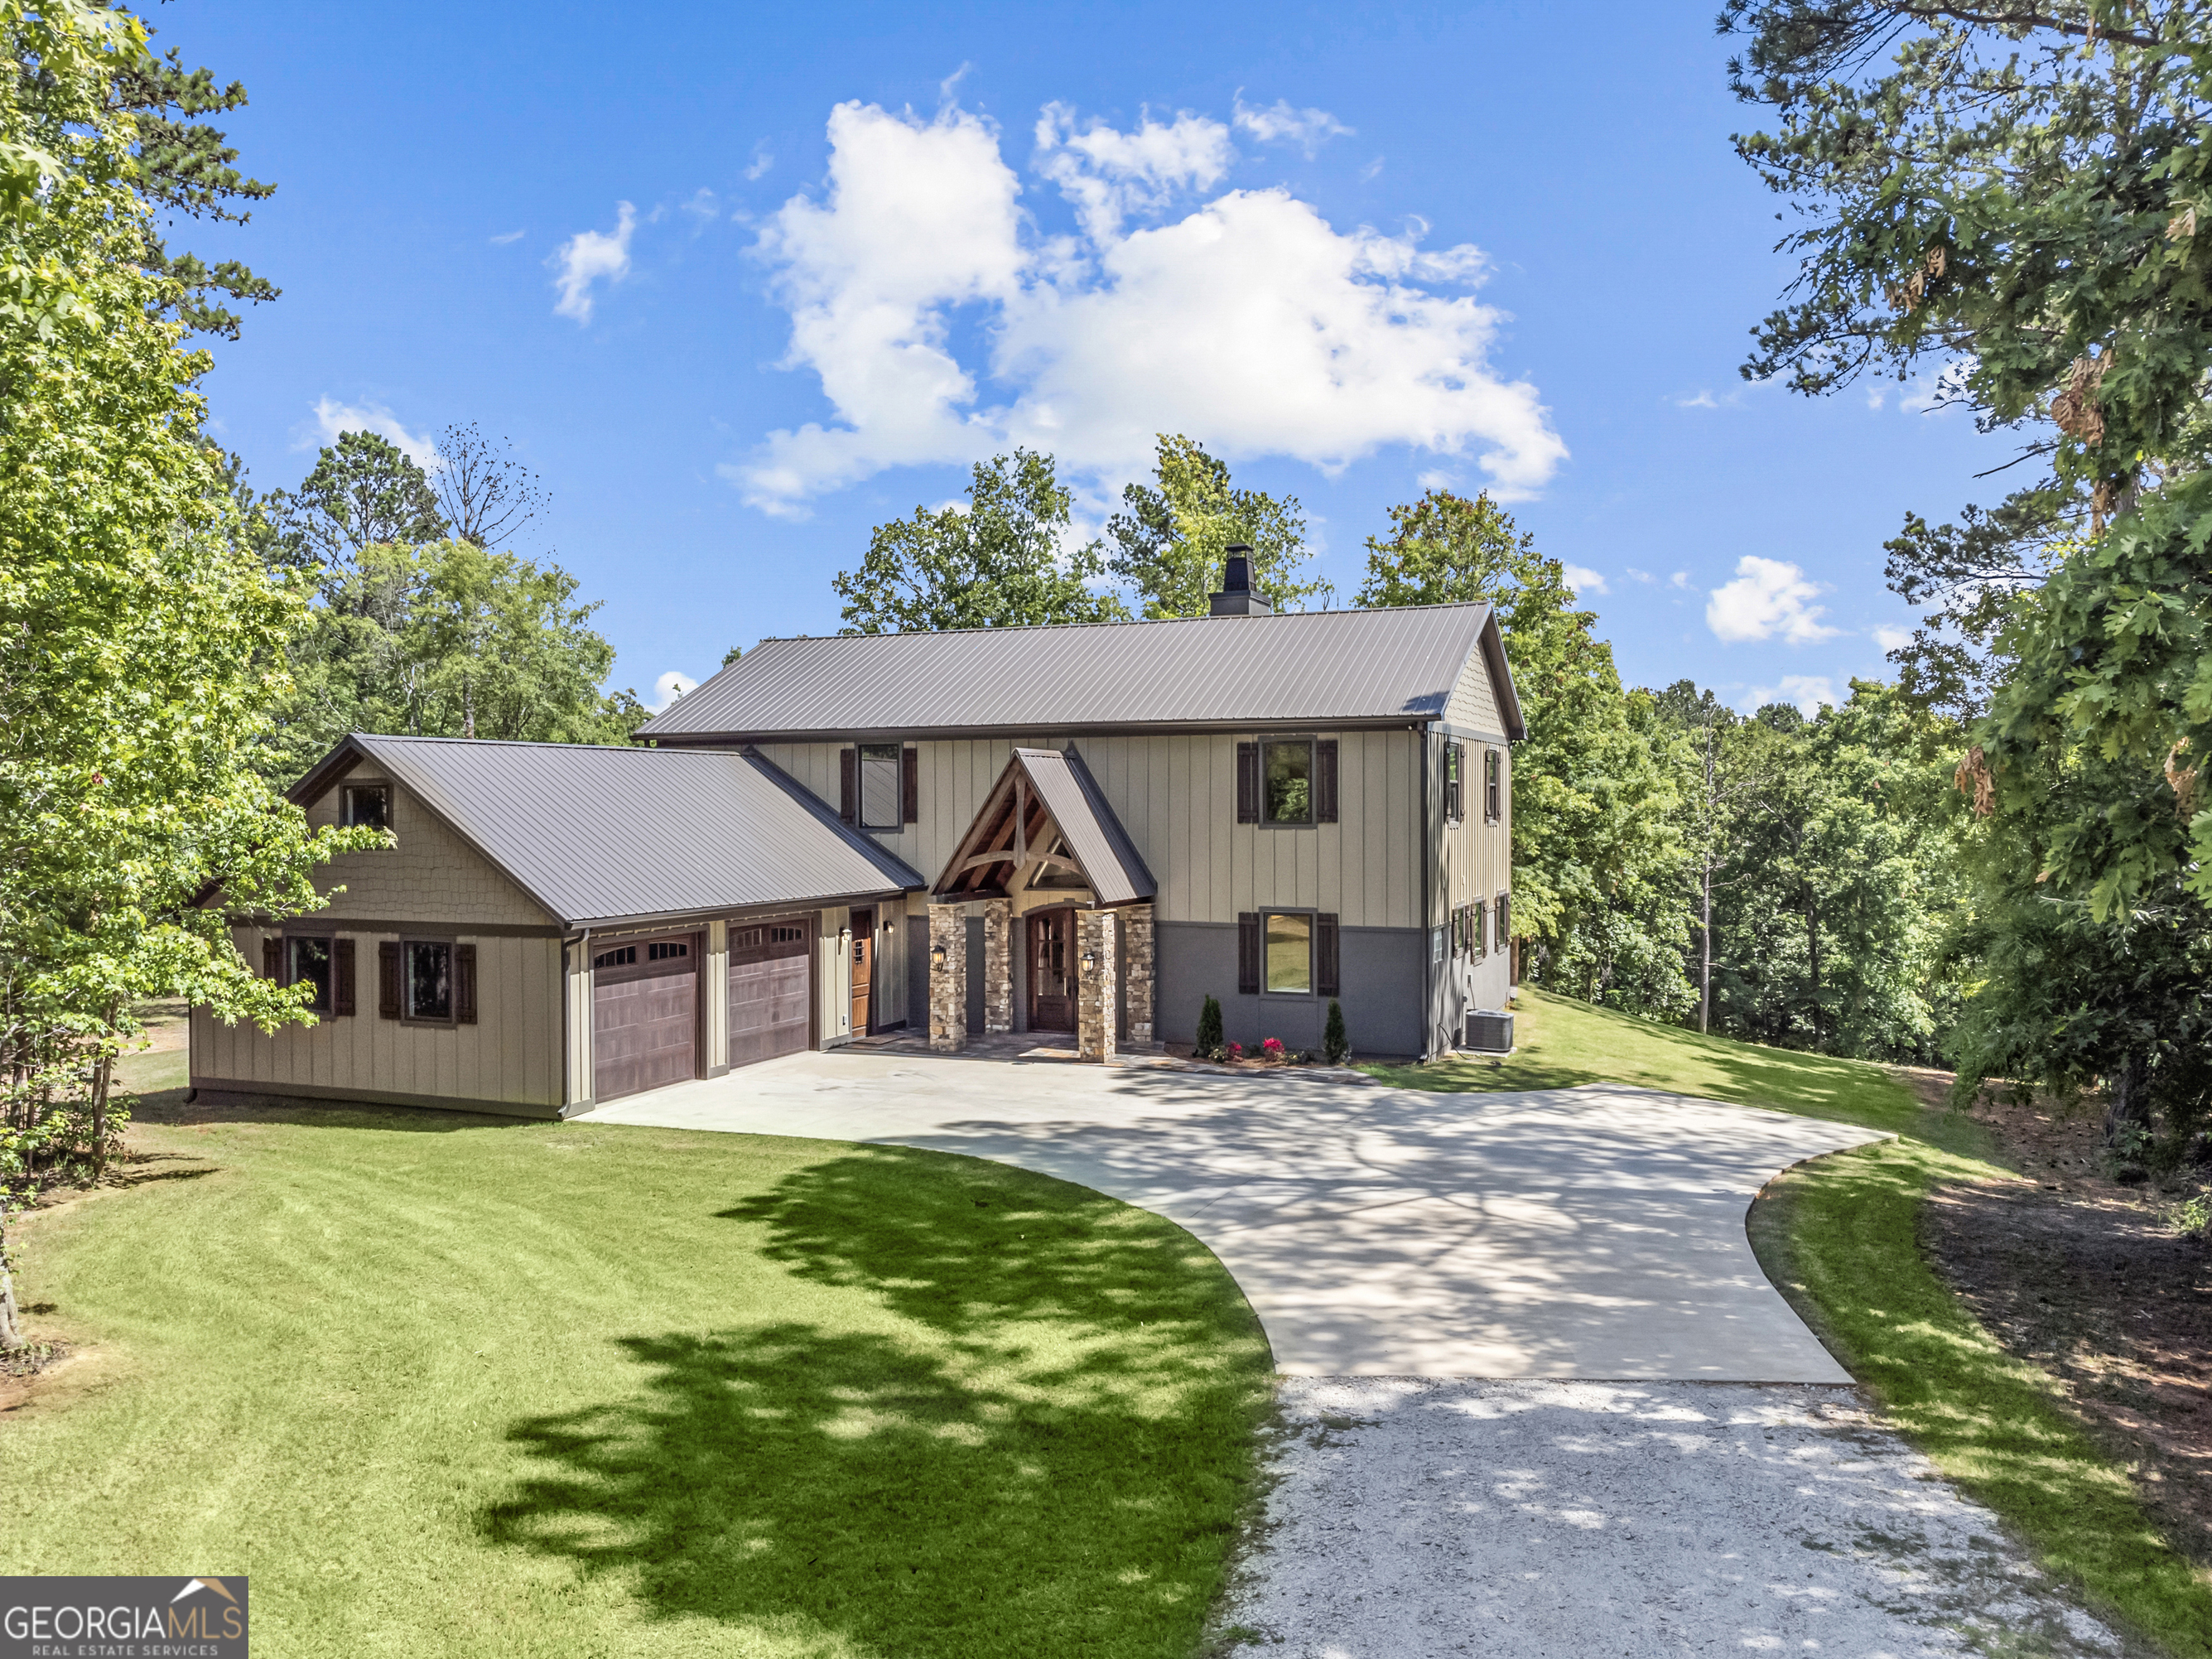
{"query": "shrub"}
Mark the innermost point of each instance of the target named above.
(1234, 1051)
(1334, 1042)
(1273, 1047)
(1209, 1046)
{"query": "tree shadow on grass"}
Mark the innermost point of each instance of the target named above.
(1050, 1457)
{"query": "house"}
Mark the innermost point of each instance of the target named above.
(1083, 829)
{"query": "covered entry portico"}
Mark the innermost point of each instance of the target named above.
(1046, 851)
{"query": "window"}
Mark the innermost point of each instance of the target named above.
(1479, 930)
(1290, 954)
(662, 950)
(879, 786)
(1289, 771)
(429, 980)
(1454, 764)
(307, 962)
(620, 957)
(1493, 767)
(368, 804)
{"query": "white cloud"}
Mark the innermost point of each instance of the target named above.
(1703, 400)
(761, 163)
(1583, 580)
(1308, 129)
(1679, 579)
(502, 239)
(1436, 478)
(333, 419)
(703, 207)
(1373, 167)
(1768, 597)
(1248, 322)
(1892, 639)
(1807, 691)
(669, 687)
(589, 257)
(1644, 576)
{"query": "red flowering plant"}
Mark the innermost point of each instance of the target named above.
(1273, 1047)
(1235, 1051)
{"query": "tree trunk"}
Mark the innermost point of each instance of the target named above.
(11, 1335)
(2129, 1108)
(1812, 948)
(102, 1077)
(1705, 969)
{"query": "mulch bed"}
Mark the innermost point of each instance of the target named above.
(2087, 1280)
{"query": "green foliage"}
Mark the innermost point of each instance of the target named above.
(794, 1398)
(449, 640)
(1004, 563)
(731, 656)
(136, 631)
(1171, 538)
(363, 492)
(1334, 1041)
(1445, 549)
(1209, 1042)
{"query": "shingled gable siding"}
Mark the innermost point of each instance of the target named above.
(511, 1057)
(1176, 797)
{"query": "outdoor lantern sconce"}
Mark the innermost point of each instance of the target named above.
(1090, 959)
(937, 955)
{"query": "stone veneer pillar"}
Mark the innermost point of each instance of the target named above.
(997, 965)
(1094, 996)
(1138, 918)
(948, 978)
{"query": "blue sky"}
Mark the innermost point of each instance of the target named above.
(1354, 249)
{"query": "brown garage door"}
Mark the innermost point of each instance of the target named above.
(770, 972)
(645, 1014)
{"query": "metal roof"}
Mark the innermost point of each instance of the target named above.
(1071, 797)
(1304, 668)
(598, 836)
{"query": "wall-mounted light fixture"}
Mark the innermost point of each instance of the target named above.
(937, 955)
(1090, 959)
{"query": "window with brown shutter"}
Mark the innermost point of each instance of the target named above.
(1326, 981)
(1248, 953)
(1455, 767)
(1325, 780)
(272, 959)
(1493, 769)
(1247, 783)
(910, 785)
(387, 979)
(341, 997)
(848, 785)
(464, 984)
(1481, 912)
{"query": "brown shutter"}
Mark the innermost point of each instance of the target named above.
(910, 786)
(1326, 980)
(1247, 783)
(848, 785)
(387, 980)
(1454, 781)
(464, 984)
(273, 958)
(1248, 954)
(341, 976)
(1325, 780)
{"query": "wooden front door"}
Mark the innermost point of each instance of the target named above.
(864, 971)
(1052, 970)
(645, 1015)
(771, 973)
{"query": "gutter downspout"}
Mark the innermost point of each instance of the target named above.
(1428, 944)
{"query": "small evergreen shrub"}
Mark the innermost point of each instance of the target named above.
(1209, 1046)
(1334, 1042)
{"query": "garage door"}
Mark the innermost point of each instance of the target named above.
(645, 1015)
(770, 971)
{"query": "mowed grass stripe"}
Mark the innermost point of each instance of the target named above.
(568, 1389)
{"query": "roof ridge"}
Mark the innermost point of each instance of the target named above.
(1125, 622)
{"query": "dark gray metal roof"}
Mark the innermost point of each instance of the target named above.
(1306, 667)
(598, 836)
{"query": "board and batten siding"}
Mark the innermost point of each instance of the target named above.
(433, 884)
(1176, 795)
(1474, 862)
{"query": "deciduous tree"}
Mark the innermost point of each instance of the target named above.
(1171, 538)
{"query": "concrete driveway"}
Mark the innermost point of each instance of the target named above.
(1595, 1232)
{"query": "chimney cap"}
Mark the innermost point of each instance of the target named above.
(1237, 578)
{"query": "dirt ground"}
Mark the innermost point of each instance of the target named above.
(2087, 1279)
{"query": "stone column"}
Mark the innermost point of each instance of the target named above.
(1094, 997)
(948, 978)
(997, 965)
(1138, 921)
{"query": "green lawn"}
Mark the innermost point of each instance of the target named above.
(449, 1385)
(1839, 1236)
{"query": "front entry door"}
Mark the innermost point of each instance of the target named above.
(864, 953)
(1052, 970)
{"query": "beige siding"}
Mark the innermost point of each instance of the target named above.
(1176, 797)
(833, 974)
(431, 876)
(512, 1055)
(1474, 864)
(714, 995)
(1474, 704)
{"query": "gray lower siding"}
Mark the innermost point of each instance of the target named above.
(1380, 966)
